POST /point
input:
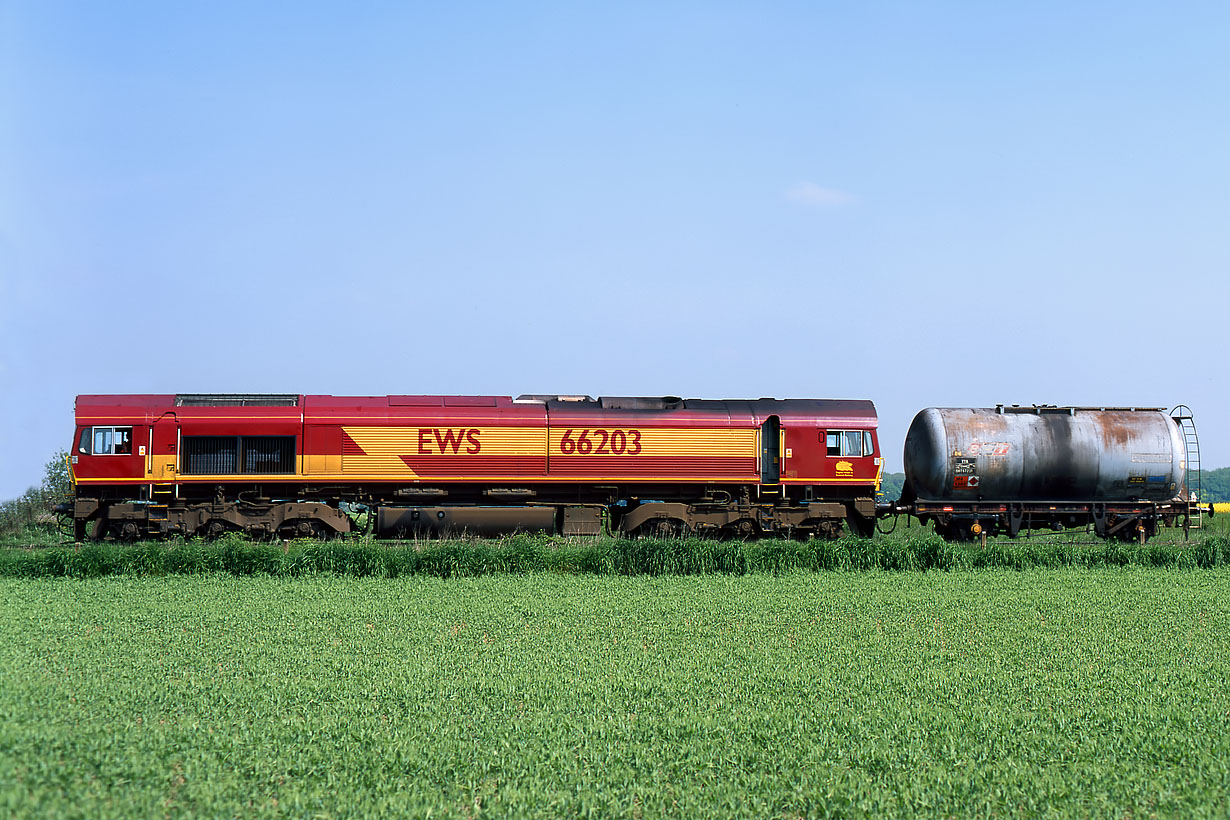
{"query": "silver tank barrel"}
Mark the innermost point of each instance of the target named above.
(1044, 454)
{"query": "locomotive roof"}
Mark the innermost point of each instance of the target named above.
(845, 411)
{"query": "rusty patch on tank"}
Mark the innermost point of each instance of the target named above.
(1118, 429)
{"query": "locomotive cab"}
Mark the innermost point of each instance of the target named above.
(108, 451)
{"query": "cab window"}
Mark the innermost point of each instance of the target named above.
(853, 444)
(110, 441)
(848, 443)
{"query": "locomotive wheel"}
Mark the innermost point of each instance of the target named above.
(665, 528)
(303, 528)
(214, 528)
(829, 530)
(125, 531)
(744, 529)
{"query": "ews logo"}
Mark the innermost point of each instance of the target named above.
(433, 441)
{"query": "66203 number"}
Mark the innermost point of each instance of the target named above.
(601, 442)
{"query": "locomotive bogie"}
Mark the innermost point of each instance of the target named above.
(259, 519)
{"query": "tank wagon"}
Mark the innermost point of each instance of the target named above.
(1004, 469)
(283, 465)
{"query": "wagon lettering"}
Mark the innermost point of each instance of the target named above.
(448, 440)
(988, 448)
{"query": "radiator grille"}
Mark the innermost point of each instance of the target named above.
(236, 400)
(238, 455)
(268, 454)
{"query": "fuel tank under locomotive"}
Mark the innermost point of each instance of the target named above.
(1044, 453)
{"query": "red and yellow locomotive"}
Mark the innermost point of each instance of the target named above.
(428, 465)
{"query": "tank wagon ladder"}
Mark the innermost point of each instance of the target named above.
(1182, 414)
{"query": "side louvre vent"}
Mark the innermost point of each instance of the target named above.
(268, 455)
(210, 455)
(238, 455)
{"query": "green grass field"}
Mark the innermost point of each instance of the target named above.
(1061, 692)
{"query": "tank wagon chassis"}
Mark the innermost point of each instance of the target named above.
(1128, 521)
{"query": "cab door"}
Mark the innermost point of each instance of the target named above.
(770, 452)
(162, 453)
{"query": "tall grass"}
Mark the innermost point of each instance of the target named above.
(595, 556)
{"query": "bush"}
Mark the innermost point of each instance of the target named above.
(31, 515)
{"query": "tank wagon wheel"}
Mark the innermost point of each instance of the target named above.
(1138, 532)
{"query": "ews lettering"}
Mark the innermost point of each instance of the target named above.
(433, 441)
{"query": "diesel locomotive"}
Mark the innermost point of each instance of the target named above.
(277, 465)
(282, 465)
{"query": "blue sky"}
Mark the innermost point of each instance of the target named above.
(951, 204)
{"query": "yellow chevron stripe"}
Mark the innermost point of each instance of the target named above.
(384, 446)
